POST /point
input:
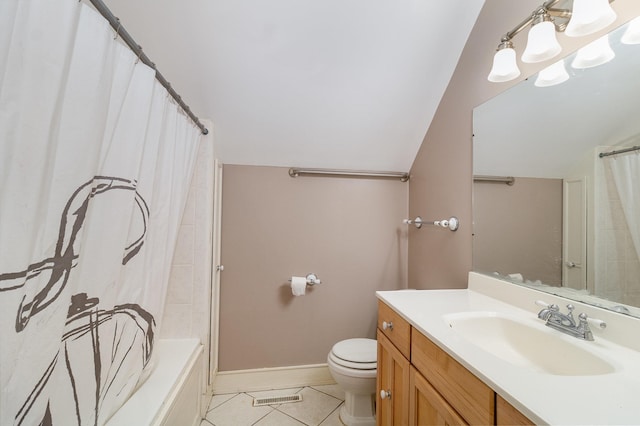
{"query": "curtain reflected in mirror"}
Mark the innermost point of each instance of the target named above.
(570, 222)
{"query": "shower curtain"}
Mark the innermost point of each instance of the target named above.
(95, 163)
(625, 169)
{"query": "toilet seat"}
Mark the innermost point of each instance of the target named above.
(357, 354)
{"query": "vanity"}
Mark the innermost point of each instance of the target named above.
(482, 356)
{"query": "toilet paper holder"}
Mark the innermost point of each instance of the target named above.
(312, 279)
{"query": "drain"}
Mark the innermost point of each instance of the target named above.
(258, 402)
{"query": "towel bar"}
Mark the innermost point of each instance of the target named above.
(452, 223)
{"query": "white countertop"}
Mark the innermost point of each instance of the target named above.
(607, 399)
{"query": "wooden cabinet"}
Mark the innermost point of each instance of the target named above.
(427, 406)
(423, 385)
(392, 399)
(507, 414)
(394, 327)
(467, 394)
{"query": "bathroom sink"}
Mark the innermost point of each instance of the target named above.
(527, 345)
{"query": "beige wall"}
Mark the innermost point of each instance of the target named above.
(524, 234)
(441, 175)
(347, 231)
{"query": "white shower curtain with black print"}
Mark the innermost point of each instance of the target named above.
(95, 163)
(625, 169)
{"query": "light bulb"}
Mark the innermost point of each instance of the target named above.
(542, 43)
(593, 54)
(552, 75)
(504, 66)
(632, 33)
(589, 16)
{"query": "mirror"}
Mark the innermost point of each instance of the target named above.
(563, 225)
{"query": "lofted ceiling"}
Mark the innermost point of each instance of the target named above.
(349, 84)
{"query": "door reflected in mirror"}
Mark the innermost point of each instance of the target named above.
(570, 222)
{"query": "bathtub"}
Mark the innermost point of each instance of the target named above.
(172, 395)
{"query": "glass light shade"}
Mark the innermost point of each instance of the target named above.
(552, 75)
(504, 66)
(589, 16)
(632, 33)
(542, 43)
(593, 54)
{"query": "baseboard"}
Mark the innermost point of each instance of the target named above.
(272, 378)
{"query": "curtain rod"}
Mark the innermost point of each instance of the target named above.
(137, 49)
(509, 180)
(620, 151)
(295, 172)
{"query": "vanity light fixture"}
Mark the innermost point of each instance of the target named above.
(505, 66)
(593, 54)
(589, 16)
(542, 43)
(632, 33)
(586, 17)
(554, 74)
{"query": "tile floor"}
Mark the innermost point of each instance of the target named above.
(320, 406)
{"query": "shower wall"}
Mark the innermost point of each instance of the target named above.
(188, 299)
(616, 264)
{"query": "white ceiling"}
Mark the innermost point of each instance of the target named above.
(349, 84)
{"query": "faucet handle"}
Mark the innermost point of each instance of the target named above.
(593, 321)
(570, 308)
(547, 311)
(542, 303)
(584, 332)
(552, 307)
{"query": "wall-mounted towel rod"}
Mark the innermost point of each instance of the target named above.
(452, 223)
(295, 172)
(509, 180)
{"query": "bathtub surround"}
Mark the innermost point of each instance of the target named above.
(348, 231)
(96, 162)
(191, 295)
(172, 393)
(617, 265)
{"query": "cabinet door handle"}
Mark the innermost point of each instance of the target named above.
(387, 325)
(385, 394)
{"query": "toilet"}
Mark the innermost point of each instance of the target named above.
(352, 364)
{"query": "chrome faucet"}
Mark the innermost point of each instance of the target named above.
(566, 323)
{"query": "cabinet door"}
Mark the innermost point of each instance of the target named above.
(393, 381)
(507, 414)
(467, 394)
(427, 406)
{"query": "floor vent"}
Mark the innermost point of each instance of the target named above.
(258, 402)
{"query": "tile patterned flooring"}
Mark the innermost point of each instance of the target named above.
(320, 406)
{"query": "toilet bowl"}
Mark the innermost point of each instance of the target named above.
(352, 363)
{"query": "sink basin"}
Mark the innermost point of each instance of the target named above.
(527, 345)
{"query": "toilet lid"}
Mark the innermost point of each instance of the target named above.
(361, 366)
(356, 351)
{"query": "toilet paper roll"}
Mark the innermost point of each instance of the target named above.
(298, 286)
